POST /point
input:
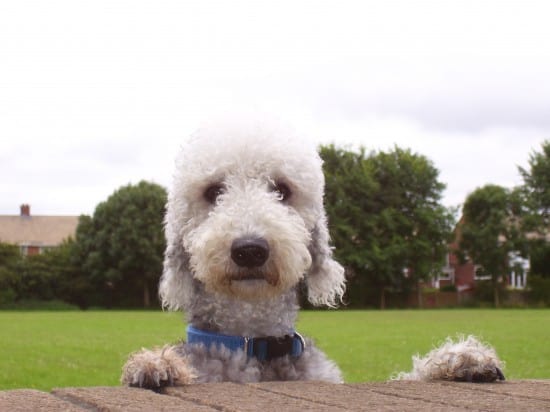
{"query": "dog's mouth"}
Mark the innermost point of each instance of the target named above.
(253, 275)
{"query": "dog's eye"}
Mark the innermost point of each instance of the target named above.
(283, 191)
(212, 192)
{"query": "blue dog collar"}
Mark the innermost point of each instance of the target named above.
(262, 348)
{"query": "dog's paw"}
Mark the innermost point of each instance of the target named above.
(153, 369)
(467, 360)
(480, 373)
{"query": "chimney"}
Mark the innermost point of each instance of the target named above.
(25, 210)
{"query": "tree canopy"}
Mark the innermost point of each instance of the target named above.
(536, 185)
(121, 247)
(387, 223)
(490, 230)
(536, 190)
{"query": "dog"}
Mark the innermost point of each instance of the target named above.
(246, 229)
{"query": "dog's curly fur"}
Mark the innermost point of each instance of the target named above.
(466, 359)
(244, 180)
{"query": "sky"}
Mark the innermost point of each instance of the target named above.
(99, 94)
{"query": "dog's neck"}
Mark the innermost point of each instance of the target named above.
(231, 316)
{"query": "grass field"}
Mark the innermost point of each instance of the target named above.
(43, 350)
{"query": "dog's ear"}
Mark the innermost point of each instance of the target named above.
(325, 280)
(176, 283)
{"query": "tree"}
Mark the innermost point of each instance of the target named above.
(349, 195)
(490, 230)
(35, 277)
(73, 283)
(416, 227)
(388, 226)
(536, 184)
(536, 189)
(121, 247)
(9, 259)
(539, 255)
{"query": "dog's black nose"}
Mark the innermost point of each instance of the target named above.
(249, 252)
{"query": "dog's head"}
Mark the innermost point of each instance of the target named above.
(245, 217)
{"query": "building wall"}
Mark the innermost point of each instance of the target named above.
(32, 250)
(34, 234)
(465, 276)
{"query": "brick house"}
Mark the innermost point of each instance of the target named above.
(464, 275)
(34, 234)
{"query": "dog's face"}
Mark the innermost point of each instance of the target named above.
(244, 214)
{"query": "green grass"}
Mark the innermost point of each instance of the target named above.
(43, 350)
(373, 345)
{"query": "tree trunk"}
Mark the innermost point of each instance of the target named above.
(383, 298)
(146, 295)
(496, 294)
(419, 296)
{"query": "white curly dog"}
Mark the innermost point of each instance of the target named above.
(245, 229)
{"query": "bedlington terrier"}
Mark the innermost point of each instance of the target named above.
(245, 230)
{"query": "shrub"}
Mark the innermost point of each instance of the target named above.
(34, 304)
(539, 289)
(448, 288)
(484, 291)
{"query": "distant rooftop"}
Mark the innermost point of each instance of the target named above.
(43, 231)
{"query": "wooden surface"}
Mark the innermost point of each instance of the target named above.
(526, 395)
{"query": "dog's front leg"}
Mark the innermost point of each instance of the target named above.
(153, 369)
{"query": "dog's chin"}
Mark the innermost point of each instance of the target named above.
(252, 285)
(251, 289)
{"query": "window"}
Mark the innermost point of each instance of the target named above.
(481, 274)
(447, 271)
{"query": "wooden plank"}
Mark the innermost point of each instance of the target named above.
(351, 398)
(24, 400)
(292, 396)
(125, 399)
(237, 397)
(525, 389)
(486, 396)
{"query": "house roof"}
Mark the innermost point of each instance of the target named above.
(37, 230)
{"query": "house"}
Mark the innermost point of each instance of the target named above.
(464, 275)
(34, 234)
